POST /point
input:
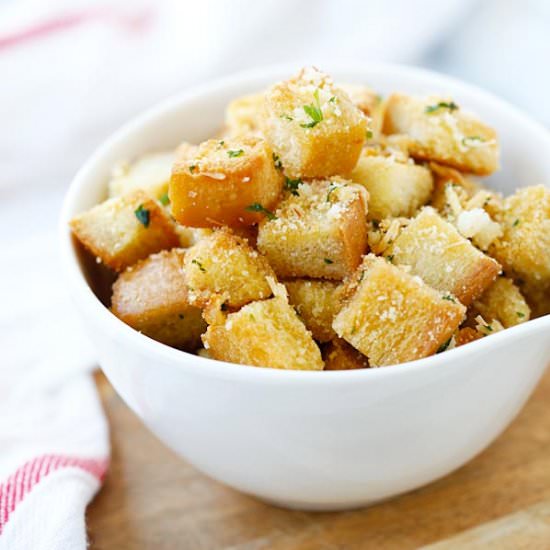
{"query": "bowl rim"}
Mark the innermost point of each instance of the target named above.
(81, 291)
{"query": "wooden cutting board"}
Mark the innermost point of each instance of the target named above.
(154, 500)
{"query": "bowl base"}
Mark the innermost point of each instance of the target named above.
(320, 506)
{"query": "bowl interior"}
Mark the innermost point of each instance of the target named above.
(198, 114)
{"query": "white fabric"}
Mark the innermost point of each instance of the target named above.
(61, 94)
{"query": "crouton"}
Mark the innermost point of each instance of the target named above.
(339, 355)
(363, 97)
(318, 230)
(393, 317)
(538, 297)
(266, 333)
(502, 301)
(151, 297)
(524, 248)
(244, 115)
(123, 230)
(313, 126)
(466, 335)
(441, 131)
(395, 188)
(225, 264)
(225, 182)
(150, 173)
(444, 259)
(317, 302)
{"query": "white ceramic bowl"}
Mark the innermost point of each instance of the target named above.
(311, 440)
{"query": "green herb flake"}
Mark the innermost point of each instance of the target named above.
(489, 328)
(331, 188)
(449, 298)
(233, 153)
(198, 264)
(466, 141)
(164, 199)
(286, 117)
(520, 314)
(328, 261)
(257, 207)
(192, 168)
(389, 258)
(313, 111)
(221, 143)
(362, 276)
(452, 106)
(444, 346)
(332, 99)
(277, 161)
(143, 215)
(292, 185)
(516, 223)
(370, 135)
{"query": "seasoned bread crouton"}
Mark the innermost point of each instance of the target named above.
(244, 115)
(466, 335)
(363, 97)
(123, 230)
(502, 301)
(393, 317)
(395, 188)
(444, 259)
(317, 303)
(150, 173)
(538, 298)
(318, 230)
(225, 182)
(313, 126)
(524, 249)
(441, 131)
(226, 264)
(266, 333)
(151, 296)
(339, 355)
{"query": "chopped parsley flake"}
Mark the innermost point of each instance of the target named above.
(198, 264)
(164, 199)
(328, 261)
(449, 298)
(370, 135)
(331, 188)
(235, 153)
(313, 111)
(292, 185)
(516, 223)
(192, 168)
(143, 215)
(452, 106)
(488, 327)
(277, 161)
(520, 314)
(286, 117)
(257, 207)
(221, 143)
(362, 276)
(332, 99)
(444, 346)
(390, 258)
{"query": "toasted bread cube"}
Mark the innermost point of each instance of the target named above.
(524, 249)
(226, 264)
(538, 298)
(313, 126)
(363, 97)
(318, 231)
(504, 302)
(123, 230)
(443, 258)
(443, 132)
(466, 335)
(339, 355)
(393, 317)
(150, 173)
(266, 333)
(225, 182)
(245, 115)
(317, 303)
(151, 297)
(395, 188)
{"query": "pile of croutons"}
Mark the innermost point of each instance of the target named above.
(325, 228)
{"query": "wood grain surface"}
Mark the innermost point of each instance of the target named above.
(154, 500)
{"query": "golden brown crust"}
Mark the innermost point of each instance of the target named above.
(444, 259)
(114, 233)
(267, 333)
(466, 335)
(339, 355)
(219, 182)
(445, 135)
(225, 264)
(308, 147)
(152, 298)
(317, 303)
(244, 115)
(393, 317)
(320, 231)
